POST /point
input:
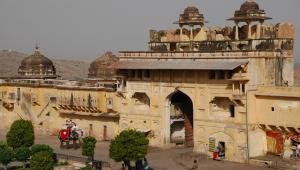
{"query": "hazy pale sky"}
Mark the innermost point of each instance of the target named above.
(84, 29)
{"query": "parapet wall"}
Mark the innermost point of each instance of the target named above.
(266, 31)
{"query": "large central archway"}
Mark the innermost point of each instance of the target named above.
(181, 119)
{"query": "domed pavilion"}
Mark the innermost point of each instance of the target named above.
(37, 66)
(249, 12)
(100, 67)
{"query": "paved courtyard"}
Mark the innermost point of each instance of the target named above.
(158, 159)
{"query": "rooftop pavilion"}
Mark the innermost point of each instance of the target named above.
(254, 35)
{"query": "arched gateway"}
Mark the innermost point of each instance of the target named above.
(179, 119)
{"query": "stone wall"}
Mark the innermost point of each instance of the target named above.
(44, 107)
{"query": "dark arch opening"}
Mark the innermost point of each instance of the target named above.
(181, 116)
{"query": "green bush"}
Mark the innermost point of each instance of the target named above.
(6, 155)
(21, 133)
(88, 147)
(86, 168)
(41, 147)
(22, 154)
(63, 163)
(129, 145)
(3, 144)
(42, 160)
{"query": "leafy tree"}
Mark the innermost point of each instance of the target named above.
(88, 147)
(42, 160)
(129, 145)
(21, 133)
(6, 155)
(22, 154)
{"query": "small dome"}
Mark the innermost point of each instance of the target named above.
(37, 65)
(191, 16)
(191, 11)
(36, 59)
(99, 67)
(249, 6)
(249, 12)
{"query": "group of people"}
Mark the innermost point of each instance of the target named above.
(74, 128)
(219, 153)
(297, 150)
(70, 124)
(139, 165)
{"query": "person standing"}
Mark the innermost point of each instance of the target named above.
(123, 166)
(298, 150)
(195, 165)
(221, 152)
(139, 164)
(146, 165)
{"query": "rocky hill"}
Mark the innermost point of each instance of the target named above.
(67, 69)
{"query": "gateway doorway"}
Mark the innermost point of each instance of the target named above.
(181, 119)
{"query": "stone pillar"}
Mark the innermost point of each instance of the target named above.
(249, 30)
(167, 132)
(191, 33)
(236, 31)
(180, 34)
(258, 30)
(240, 92)
(262, 30)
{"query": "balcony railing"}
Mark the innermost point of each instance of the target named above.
(224, 46)
(240, 77)
(237, 96)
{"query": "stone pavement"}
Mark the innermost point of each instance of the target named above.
(159, 159)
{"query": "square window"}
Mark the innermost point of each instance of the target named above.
(147, 74)
(139, 74)
(109, 103)
(220, 74)
(53, 100)
(211, 75)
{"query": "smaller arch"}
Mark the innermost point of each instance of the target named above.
(141, 101)
(226, 141)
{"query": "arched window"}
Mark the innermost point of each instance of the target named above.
(141, 101)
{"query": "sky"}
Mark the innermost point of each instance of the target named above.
(84, 29)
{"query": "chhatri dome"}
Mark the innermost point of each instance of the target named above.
(249, 12)
(37, 66)
(249, 5)
(191, 16)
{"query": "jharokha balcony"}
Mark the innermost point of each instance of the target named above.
(85, 111)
